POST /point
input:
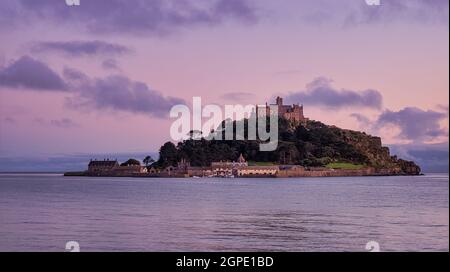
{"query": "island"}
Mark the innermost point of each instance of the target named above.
(306, 148)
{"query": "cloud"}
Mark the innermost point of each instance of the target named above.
(131, 17)
(320, 92)
(238, 9)
(80, 48)
(415, 124)
(118, 93)
(432, 158)
(361, 118)
(358, 13)
(112, 92)
(110, 64)
(421, 11)
(29, 73)
(63, 123)
(74, 76)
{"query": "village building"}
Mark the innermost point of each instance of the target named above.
(199, 171)
(112, 167)
(100, 166)
(129, 169)
(153, 170)
(270, 170)
(170, 170)
(241, 168)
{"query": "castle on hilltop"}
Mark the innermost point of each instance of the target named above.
(290, 112)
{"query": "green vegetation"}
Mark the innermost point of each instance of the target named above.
(312, 144)
(148, 160)
(254, 163)
(345, 165)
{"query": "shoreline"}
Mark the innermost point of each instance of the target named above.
(314, 174)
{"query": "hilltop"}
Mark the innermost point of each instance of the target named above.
(309, 144)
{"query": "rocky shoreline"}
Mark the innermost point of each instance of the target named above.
(299, 172)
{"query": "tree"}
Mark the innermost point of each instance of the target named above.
(168, 155)
(310, 144)
(148, 160)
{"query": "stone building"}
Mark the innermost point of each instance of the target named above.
(112, 167)
(290, 112)
(100, 166)
(129, 169)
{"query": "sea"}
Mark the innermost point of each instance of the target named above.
(50, 212)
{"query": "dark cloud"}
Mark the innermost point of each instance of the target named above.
(80, 48)
(29, 73)
(63, 123)
(128, 16)
(418, 126)
(415, 124)
(120, 93)
(432, 158)
(113, 92)
(321, 93)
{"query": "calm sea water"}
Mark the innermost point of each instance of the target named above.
(41, 212)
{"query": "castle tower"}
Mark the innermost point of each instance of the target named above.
(279, 101)
(292, 112)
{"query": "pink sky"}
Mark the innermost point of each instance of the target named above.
(260, 48)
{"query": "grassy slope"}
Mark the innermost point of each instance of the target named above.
(345, 165)
(254, 163)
